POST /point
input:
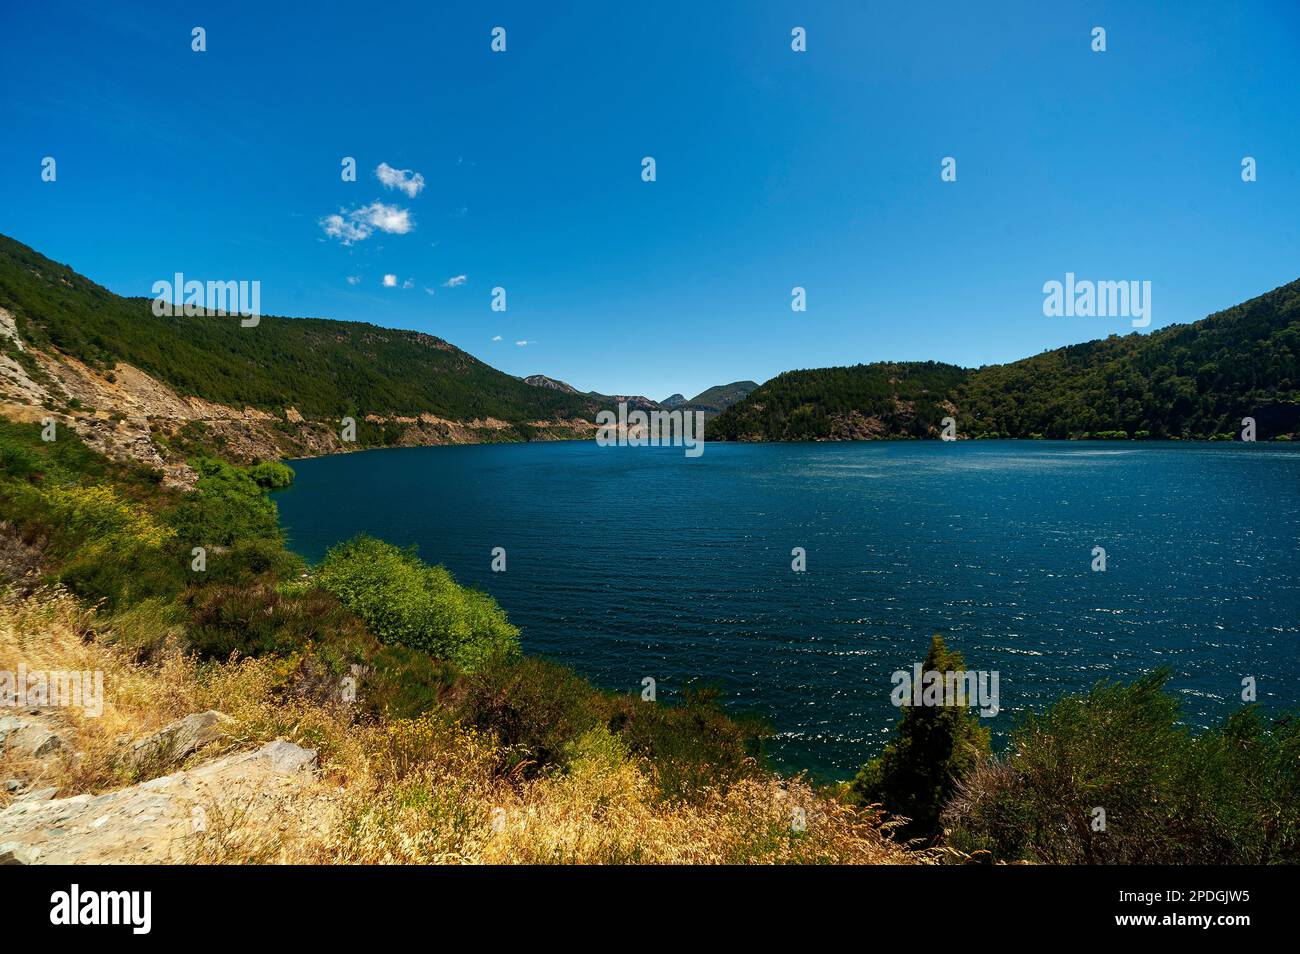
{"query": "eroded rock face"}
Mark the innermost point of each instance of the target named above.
(159, 820)
(128, 415)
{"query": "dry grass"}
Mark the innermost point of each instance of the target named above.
(418, 791)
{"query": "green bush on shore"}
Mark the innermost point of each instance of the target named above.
(1111, 777)
(272, 474)
(405, 601)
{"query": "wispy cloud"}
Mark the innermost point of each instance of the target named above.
(354, 279)
(496, 337)
(524, 343)
(454, 281)
(409, 182)
(355, 225)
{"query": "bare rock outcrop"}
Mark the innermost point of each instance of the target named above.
(161, 820)
(180, 739)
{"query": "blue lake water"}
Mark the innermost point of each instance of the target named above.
(634, 562)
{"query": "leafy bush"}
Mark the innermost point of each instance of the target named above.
(248, 560)
(103, 547)
(272, 474)
(97, 514)
(410, 603)
(17, 462)
(24, 455)
(1226, 796)
(535, 708)
(694, 747)
(226, 506)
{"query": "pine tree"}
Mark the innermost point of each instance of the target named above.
(935, 747)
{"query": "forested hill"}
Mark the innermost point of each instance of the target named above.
(862, 402)
(1186, 381)
(1190, 381)
(322, 368)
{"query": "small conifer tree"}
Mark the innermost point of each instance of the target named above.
(919, 769)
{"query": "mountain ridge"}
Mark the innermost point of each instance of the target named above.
(158, 388)
(1185, 381)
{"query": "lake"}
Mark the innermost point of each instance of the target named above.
(633, 562)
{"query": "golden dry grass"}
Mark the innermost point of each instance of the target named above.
(418, 791)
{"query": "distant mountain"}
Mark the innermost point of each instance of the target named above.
(597, 401)
(713, 401)
(1184, 381)
(635, 402)
(542, 381)
(718, 398)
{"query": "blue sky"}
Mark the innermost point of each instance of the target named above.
(775, 169)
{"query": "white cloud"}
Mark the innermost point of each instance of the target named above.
(354, 279)
(454, 281)
(522, 343)
(429, 291)
(496, 337)
(409, 182)
(409, 283)
(390, 281)
(355, 225)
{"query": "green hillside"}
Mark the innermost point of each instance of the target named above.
(718, 398)
(321, 367)
(1194, 380)
(889, 399)
(1186, 381)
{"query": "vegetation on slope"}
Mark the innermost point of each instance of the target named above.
(449, 746)
(453, 746)
(322, 368)
(1109, 776)
(1186, 381)
(1192, 381)
(902, 399)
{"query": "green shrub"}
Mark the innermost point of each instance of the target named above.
(693, 747)
(410, 603)
(23, 454)
(402, 683)
(272, 475)
(1226, 796)
(226, 506)
(104, 547)
(120, 575)
(17, 462)
(537, 710)
(249, 560)
(259, 620)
